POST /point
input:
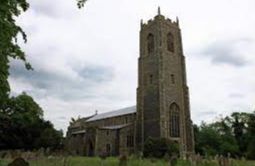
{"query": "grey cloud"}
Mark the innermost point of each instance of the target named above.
(59, 85)
(98, 73)
(207, 113)
(227, 52)
(236, 95)
(51, 8)
(62, 118)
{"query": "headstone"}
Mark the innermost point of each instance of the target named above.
(19, 162)
(173, 160)
(123, 159)
(221, 160)
(226, 161)
(47, 151)
(3, 154)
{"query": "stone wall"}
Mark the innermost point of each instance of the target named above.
(107, 142)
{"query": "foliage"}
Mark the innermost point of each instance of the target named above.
(9, 47)
(232, 134)
(22, 126)
(80, 3)
(159, 147)
(251, 135)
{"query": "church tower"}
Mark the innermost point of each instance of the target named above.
(163, 109)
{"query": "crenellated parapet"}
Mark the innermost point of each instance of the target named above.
(160, 18)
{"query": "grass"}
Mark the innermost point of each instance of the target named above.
(113, 161)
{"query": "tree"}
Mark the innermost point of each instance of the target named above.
(22, 126)
(208, 140)
(80, 3)
(239, 124)
(9, 47)
(251, 135)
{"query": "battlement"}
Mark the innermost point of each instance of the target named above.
(160, 18)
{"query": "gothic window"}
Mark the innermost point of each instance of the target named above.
(170, 42)
(150, 43)
(174, 120)
(172, 79)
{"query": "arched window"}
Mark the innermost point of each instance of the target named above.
(170, 42)
(174, 120)
(150, 43)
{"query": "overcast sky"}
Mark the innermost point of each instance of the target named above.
(86, 60)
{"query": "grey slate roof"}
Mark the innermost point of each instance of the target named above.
(120, 112)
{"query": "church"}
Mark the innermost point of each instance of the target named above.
(162, 110)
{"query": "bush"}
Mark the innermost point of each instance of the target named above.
(159, 147)
(251, 150)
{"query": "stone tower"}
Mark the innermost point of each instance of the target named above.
(163, 109)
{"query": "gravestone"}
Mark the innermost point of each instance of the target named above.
(19, 162)
(173, 160)
(123, 159)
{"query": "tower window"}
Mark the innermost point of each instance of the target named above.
(174, 120)
(172, 79)
(170, 42)
(151, 79)
(150, 43)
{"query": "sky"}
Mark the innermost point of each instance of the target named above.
(86, 59)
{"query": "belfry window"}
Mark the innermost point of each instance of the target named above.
(170, 42)
(150, 43)
(151, 79)
(174, 120)
(172, 79)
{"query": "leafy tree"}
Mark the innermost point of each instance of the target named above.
(80, 3)
(251, 135)
(22, 126)
(49, 137)
(9, 47)
(208, 140)
(234, 134)
(239, 124)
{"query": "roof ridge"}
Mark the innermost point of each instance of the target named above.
(122, 111)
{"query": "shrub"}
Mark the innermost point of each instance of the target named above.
(159, 147)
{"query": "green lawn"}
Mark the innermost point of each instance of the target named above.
(86, 161)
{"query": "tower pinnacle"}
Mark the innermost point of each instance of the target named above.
(159, 10)
(177, 20)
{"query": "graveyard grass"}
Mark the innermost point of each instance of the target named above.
(113, 161)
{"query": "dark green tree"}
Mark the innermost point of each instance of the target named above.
(239, 124)
(22, 126)
(208, 140)
(9, 47)
(251, 135)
